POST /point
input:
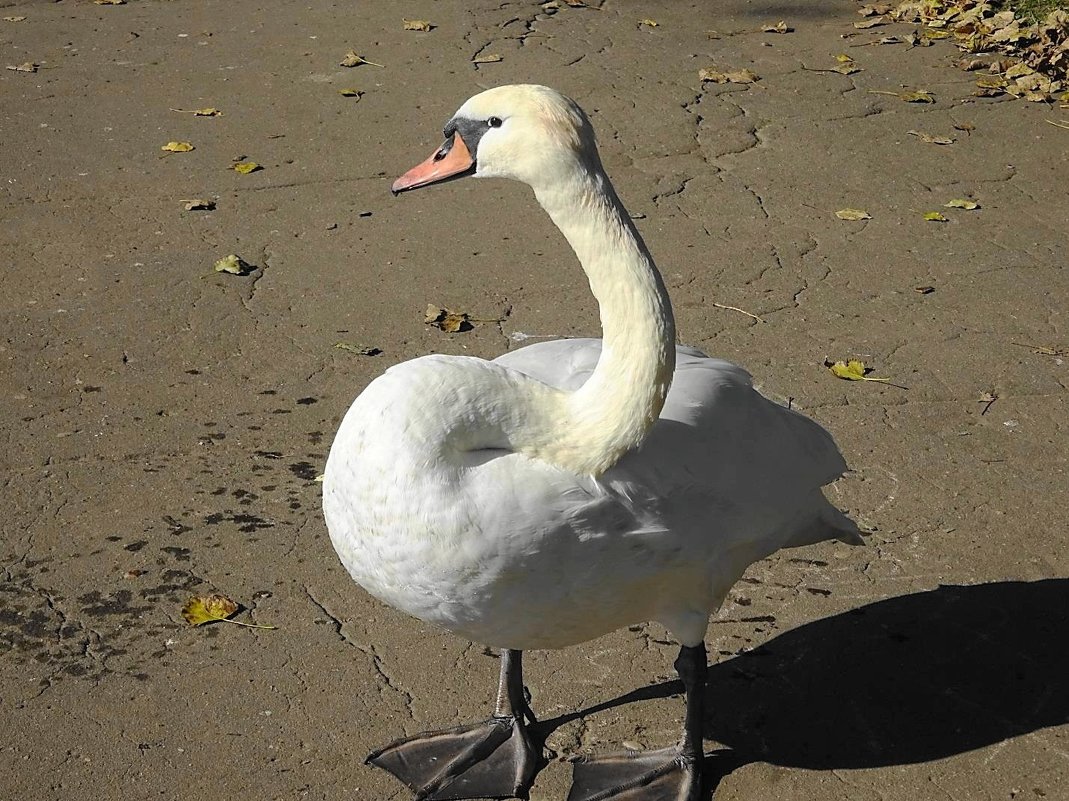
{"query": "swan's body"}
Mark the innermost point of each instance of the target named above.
(514, 552)
(568, 488)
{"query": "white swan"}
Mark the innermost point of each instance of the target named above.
(568, 488)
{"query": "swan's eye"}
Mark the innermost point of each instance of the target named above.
(494, 122)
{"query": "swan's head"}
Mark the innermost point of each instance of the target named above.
(529, 133)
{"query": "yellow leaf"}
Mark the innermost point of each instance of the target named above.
(245, 167)
(353, 59)
(842, 58)
(233, 264)
(649, 23)
(201, 609)
(852, 370)
(177, 147)
(958, 203)
(853, 214)
(350, 93)
(416, 25)
(935, 216)
(488, 58)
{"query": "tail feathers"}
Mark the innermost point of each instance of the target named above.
(828, 523)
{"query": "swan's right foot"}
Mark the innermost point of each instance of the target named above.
(670, 774)
(493, 759)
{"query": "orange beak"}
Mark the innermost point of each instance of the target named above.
(451, 159)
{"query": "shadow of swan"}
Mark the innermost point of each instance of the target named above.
(904, 680)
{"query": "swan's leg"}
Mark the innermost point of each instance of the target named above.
(493, 759)
(669, 774)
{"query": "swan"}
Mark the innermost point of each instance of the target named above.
(567, 488)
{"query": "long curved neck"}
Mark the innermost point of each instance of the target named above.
(588, 430)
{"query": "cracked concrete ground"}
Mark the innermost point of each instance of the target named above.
(163, 425)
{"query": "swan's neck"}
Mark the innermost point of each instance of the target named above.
(587, 431)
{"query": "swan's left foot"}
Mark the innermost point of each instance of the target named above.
(670, 774)
(493, 759)
(663, 775)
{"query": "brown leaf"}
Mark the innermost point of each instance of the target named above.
(14, 19)
(449, 321)
(416, 25)
(488, 58)
(734, 76)
(779, 27)
(871, 22)
(199, 204)
(967, 127)
(26, 66)
(353, 59)
(201, 609)
(924, 290)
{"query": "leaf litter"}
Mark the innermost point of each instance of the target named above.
(201, 609)
(1038, 48)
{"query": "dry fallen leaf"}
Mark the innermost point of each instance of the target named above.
(110, 2)
(350, 93)
(245, 167)
(199, 204)
(649, 23)
(488, 58)
(201, 609)
(199, 112)
(986, 398)
(967, 127)
(852, 370)
(924, 290)
(935, 216)
(233, 264)
(177, 147)
(931, 139)
(961, 203)
(416, 25)
(359, 350)
(26, 66)
(449, 321)
(853, 214)
(871, 22)
(735, 76)
(779, 27)
(14, 19)
(919, 96)
(353, 59)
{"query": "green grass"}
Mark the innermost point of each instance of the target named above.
(1033, 10)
